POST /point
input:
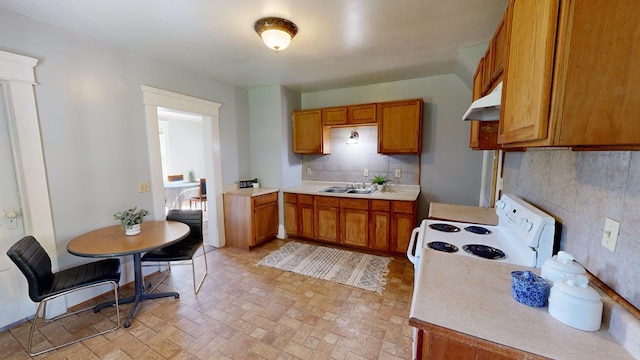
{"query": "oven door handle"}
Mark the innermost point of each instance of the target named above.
(412, 244)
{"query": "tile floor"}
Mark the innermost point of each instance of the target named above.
(244, 311)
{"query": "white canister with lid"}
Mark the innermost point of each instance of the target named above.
(573, 302)
(560, 267)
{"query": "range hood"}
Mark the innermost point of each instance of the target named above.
(486, 108)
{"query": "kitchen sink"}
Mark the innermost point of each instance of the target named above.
(360, 191)
(336, 189)
(346, 190)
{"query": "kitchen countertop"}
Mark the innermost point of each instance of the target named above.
(473, 297)
(253, 192)
(390, 192)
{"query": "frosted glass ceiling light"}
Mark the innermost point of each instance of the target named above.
(275, 32)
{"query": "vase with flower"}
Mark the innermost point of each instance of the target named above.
(131, 219)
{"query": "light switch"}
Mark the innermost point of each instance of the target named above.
(143, 187)
(610, 235)
(398, 173)
(366, 172)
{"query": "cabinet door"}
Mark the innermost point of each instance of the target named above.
(596, 97)
(305, 216)
(334, 116)
(265, 222)
(309, 136)
(327, 218)
(361, 114)
(474, 137)
(291, 214)
(526, 90)
(498, 44)
(354, 222)
(380, 225)
(400, 127)
(403, 220)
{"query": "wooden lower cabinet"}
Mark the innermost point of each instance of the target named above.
(250, 221)
(306, 216)
(327, 218)
(380, 225)
(445, 344)
(291, 214)
(354, 220)
(403, 220)
(384, 225)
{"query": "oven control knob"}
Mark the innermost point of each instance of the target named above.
(500, 204)
(525, 225)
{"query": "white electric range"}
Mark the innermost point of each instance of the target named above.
(525, 235)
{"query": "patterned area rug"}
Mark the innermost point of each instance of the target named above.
(363, 271)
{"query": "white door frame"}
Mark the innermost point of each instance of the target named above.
(154, 98)
(17, 73)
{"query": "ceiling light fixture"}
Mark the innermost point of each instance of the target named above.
(276, 32)
(353, 139)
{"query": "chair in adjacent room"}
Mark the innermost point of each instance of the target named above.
(45, 285)
(177, 177)
(202, 196)
(182, 252)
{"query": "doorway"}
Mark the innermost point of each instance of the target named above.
(182, 153)
(153, 99)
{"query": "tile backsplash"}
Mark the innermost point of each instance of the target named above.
(348, 162)
(582, 189)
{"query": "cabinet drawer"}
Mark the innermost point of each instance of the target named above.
(404, 207)
(354, 204)
(327, 201)
(380, 205)
(290, 198)
(265, 199)
(305, 199)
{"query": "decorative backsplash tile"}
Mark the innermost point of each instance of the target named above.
(348, 162)
(582, 189)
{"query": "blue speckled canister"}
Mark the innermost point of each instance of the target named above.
(529, 289)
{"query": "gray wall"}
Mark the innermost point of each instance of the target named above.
(449, 171)
(581, 189)
(93, 122)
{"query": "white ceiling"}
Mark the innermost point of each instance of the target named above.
(340, 43)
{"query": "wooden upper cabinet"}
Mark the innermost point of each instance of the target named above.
(361, 114)
(349, 115)
(498, 43)
(595, 99)
(334, 116)
(526, 90)
(571, 75)
(400, 127)
(309, 135)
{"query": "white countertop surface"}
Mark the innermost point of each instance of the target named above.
(390, 192)
(473, 296)
(251, 191)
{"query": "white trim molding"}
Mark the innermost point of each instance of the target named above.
(154, 98)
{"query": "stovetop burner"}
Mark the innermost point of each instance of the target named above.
(444, 227)
(478, 230)
(484, 251)
(442, 246)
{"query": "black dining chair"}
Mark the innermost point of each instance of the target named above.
(202, 195)
(182, 251)
(45, 285)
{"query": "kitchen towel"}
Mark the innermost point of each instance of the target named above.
(363, 271)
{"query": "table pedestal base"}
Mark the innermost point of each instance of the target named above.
(139, 293)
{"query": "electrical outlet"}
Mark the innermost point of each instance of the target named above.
(308, 171)
(143, 187)
(610, 235)
(398, 173)
(366, 172)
